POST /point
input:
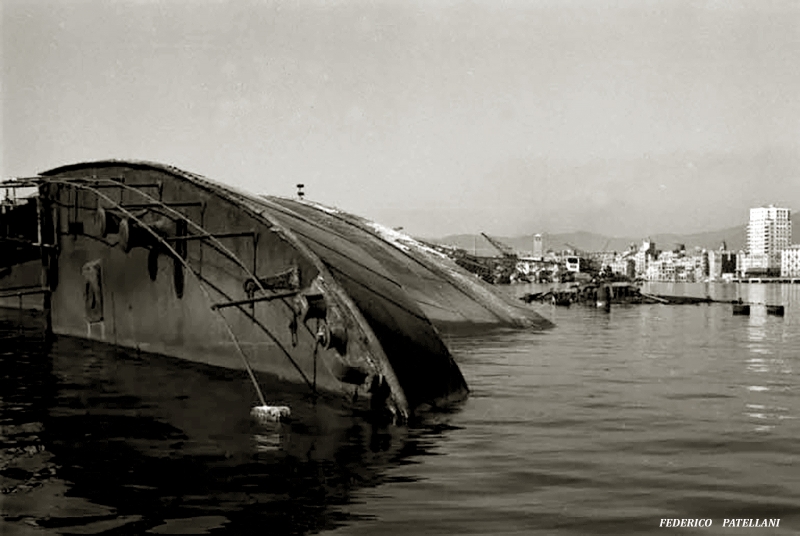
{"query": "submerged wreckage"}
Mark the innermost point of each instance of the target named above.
(146, 256)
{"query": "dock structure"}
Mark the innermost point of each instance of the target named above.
(755, 280)
(604, 294)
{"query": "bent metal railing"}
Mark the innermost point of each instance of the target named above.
(397, 394)
(204, 283)
(93, 185)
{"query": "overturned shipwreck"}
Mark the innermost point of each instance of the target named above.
(150, 257)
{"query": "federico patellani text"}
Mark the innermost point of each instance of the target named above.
(738, 523)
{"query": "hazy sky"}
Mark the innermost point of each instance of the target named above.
(625, 118)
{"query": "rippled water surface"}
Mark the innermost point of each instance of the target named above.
(603, 425)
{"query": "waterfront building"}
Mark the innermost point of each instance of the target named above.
(705, 264)
(741, 263)
(661, 270)
(768, 233)
(538, 251)
(645, 254)
(790, 261)
(689, 268)
(678, 266)
(623, 265)
(727, 263)
(714, 259)
(755, 264)
(721, 264)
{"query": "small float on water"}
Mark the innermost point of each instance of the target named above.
(775, 310)
(150, 257)
(740, 308)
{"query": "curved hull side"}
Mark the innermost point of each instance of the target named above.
(421, 362)
(451, 297)
(151, 282)
(420, 359)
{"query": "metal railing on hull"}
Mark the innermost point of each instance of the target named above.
(203, 281)
(212, 239)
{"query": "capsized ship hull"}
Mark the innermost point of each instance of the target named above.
(452, 298)
(150, 257)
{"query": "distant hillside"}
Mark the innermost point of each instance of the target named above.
(734, 237)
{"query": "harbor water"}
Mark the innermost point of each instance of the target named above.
(608, 423)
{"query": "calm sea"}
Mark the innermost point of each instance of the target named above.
(603, 425)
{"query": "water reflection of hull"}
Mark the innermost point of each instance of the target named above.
(146, 440)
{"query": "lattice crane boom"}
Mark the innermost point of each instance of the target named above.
(506, 250)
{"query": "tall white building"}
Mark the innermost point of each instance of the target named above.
(768, 233)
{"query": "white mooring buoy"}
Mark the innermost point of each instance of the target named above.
(271, 413)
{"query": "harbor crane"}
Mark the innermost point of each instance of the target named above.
(504, 268)
(504, 249)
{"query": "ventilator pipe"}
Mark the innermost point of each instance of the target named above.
(108, 222)
(133, 233)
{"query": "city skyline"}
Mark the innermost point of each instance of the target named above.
(735, 240)
(440, 117)
(769, 252)
(741, 227)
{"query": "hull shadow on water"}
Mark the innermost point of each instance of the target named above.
(94, 439)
